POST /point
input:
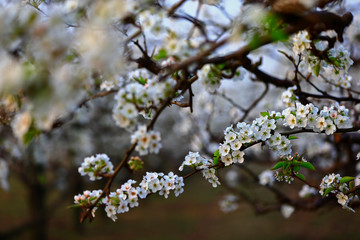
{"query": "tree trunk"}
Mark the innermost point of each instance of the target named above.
(37, 203)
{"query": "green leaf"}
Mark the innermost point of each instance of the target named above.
(18, 100)
(278, 165)
(286, 165)
(73, 206)
(161, 54)
(255, 42)
(221, 66)
(296, 168)
(337, 62)
(142, 80)
(326, 192)
(41, 178)
(307, 165)
(292, 137)
(346, 179)
(31, 133)
(278, 35)
(216, 157)
(264, 114)
(302, 177)
(317, 70)
(351, 184)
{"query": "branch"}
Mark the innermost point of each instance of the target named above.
(328, 96)
(63, 120)
(252, 106)
(183, 105)
(304, 181)
(175, 7)
(307, 130)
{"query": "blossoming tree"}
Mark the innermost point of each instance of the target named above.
(275, 76)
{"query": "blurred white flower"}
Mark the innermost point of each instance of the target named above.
(287, 210)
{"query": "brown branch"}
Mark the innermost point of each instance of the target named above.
(183, 105)
(307, 130)
(191, 95)
(231, 101)
(252, 106)
(357, 188)
(175, 7)
(63, 120)
(328, 96)
(87, 211)
(304, 181)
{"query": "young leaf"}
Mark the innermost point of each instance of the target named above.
(73, 206)
(317, 70)
(302, 177)
(216, 157)
(278, 165)
(292, 137)
(278, 35)
(264, 114)
(255, 41)
(30, 134)
(296, 168)
(141, 80)
(346, 179)
(161, 54)
(351, 184)
(307, 165)
(222, 66)
(326, 192)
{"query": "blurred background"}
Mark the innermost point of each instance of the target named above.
(195, 214)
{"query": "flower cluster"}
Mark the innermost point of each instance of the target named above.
(210, 77)
(337, 185)
(264, 129)
(334, 66)
(159, 29)
(230, 150)
(288, 97)
(291, 166)
(135, 163)
(21, 125)
(96, 166)
(88, 199)
(196, 161)
(152, 20)
(328, 119)
(146, 141)
(283, 177)
(279, 144)
(127, 196)
(139, 96)
(328, 182)
(301, 42)
(107, 85)
(229, 203)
